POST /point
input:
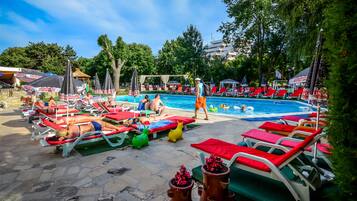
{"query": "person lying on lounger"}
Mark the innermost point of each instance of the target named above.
(73, 131)
(144, 120)
(76, 119)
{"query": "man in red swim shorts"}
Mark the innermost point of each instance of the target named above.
(200, 98)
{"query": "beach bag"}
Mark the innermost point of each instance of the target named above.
(206, 90)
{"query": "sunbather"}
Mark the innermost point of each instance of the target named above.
(76, 119)
(157, 105)
(73, 131)
(144, 104)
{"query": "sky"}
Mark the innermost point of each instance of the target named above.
(79, 22)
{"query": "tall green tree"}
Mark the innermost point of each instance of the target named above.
(190, 53)
(303, 20)
(117, 55)
(256, 22)
(140, 57)
(167, 59)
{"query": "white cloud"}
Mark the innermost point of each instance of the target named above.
(80, 22)
(24, 22)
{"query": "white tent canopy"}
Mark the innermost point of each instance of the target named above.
(164, 78)
(228, 81)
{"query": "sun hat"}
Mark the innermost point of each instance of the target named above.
(197, 79)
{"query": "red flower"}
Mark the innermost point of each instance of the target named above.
(214, 164)
(182, 177)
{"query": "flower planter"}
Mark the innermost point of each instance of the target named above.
(215, 186)
(177, 193)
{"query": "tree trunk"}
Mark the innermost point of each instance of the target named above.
(116, 73)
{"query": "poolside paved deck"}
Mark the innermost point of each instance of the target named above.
(31, 172)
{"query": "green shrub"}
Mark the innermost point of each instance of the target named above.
(341, 43)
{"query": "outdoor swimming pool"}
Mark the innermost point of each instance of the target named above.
(261, 107)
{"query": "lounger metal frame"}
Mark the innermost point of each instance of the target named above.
(299, 190)
(69, 146)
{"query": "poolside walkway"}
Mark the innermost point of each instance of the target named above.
(31, 172)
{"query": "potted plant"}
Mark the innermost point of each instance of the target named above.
(181, 186)
(215, 180)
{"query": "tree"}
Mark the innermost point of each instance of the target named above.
(303, 20)
(190, 53)
(117, 55)
(48, 57)
(167, 60)
(140, 57)
(16, 57)
(256, 22)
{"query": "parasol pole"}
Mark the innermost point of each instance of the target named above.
(314, 159)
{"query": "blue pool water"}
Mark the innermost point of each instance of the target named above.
(261, 107)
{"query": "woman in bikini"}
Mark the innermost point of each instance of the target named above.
(73, 131)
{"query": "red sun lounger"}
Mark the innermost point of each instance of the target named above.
(121, 116)
(94, 136)
(270, 165)
(254, 135)
(281, 93)
(296, 120)
(284, 129)
(167, 126)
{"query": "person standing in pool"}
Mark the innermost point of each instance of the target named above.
(200, 98)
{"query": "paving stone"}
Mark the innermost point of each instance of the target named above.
(42, 186)
(115, 185)
(73, 170)
(66, 191)
(84, 172)
(29, 174)
(87, 198)
(49, 167)
(59, 172)
(89, 191)
(150, 184)
(36, 196)
(8, 178)
(83, 181)
(106, 197)
(126, 196)
(45, 176)
(22, 167)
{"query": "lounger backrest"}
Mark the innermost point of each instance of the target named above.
(51, 124)
(282, 92)
(294, 152)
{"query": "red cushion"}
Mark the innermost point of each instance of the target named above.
(51, 124)
(185, 120)
(299, 147)
(281, 92)
(271, 126)
(273, 138)
(119, 116)
(227, 150)
(292, 118)
(57, 142)
(174, 119)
